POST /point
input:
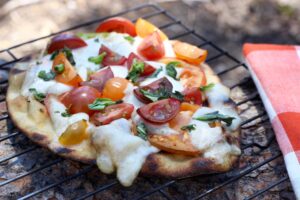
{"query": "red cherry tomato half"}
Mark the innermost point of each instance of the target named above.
(111, 113)
(148, 69)
(77, 100)
(98, 79)
(111, 58)
(152, 87)
(65, 40)
(117, 24)
(152, 47)
(160, 112)
(193, 95)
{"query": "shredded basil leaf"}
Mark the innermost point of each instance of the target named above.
(161, 93)
(189, 127)
(97, 59)
(66, 113)
(96, 40)
(105, 34)
(67, 52)
(39, 62)
(207, 87)
(129, 39)
(87, 35)
(171, 71)
(142, 131)
(60, 68)
(136, 70)
(215, 116)
(155, 74)
(37, 95)
(46, 76)
(101, 103)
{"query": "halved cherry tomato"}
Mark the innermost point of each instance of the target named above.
(148, 69)
(69, 76)
(176, 144)
(113, 112)
(152, 47)
(161, 111)
(192, 76)
(77, 100)
(181, 119)
(65, 40)
(152, 87)
(111, 58)
(189, 107)
(117, 24)
(189, 53)
(145, 28)
(167, 60)
(98, 79)
(114, 88)
(193, 95)
(74, 134)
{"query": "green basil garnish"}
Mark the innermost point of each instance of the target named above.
(97, 59)
(101, 103)
(171, 71)
(46, 76)
(137, 68)
(129, 39)
(142, 131)
(215, 116)
(37, 95)
(189, 127)
(60, 68)
(207, 87)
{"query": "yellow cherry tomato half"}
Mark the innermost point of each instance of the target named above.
(114, 88)
(144, 28)
(189, 53)
(74, 134)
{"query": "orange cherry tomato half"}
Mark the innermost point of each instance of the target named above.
(167, 60)
(113, 112)
(77, 100)
(189, 107)
(65, 40)
(114, 88)
(192, 77)
(74, 134)
(69, 75)
(145, 28)
(180, 120)
(152, 47)
(117, 24)
(189, 53)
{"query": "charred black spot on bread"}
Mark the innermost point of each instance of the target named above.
(41, 110)
(38, 137)
(62, 150)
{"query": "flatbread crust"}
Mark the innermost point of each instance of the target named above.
(32, 119)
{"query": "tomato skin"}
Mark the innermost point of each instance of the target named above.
(193, 95)
(152, 87)
(98, 79)
(189, 53)
(65, 40)
(74, 134)
(152, 47)
(111, 113)
(145, 28)
(192, 76)
(77, 100)
(69, 76)
(148, 69)
(111, 58)
(161, 111)
(114, 88)
(117, 24)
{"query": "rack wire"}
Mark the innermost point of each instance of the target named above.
(155, 188)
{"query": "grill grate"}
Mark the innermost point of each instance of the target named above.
(162, 186)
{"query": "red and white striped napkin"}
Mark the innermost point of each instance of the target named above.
(275, 70)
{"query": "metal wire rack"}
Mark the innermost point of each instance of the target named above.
(151, 188)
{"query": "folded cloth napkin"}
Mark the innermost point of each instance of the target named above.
(275, 70)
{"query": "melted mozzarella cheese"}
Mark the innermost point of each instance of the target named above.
(217, 95)
(119, 71)
(121, 150)
(220, 151)
(169, 52)
(130, 97)
(117, 43)
(61, 123)
(204, 136)
(59, 88)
